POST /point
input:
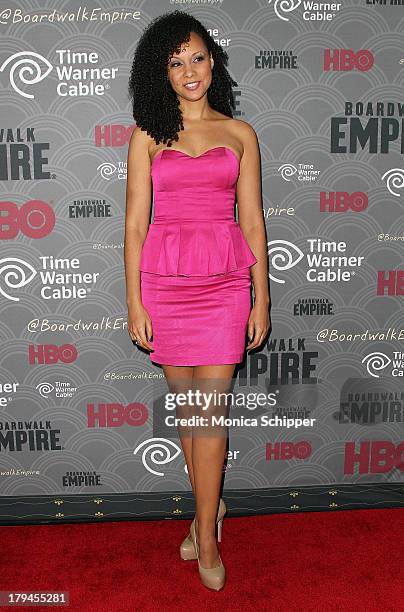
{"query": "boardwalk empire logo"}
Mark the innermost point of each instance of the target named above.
(21, 157)
(28, 436)
(375, 127)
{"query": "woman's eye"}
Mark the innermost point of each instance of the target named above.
(174, 64)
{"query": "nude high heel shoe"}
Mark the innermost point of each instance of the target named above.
(211, 577)
(187, 548)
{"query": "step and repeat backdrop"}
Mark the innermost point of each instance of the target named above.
(322, 83)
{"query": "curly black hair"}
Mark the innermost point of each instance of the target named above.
(154, 102)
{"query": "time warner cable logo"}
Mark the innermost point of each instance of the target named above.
(79, 73)
(14, 273)
(285, 7)
(28, 70)
(61, 278)
(312, 11)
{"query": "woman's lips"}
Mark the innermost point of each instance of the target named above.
(192, 86)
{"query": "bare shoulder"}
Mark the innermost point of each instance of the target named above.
(245, 132)
(140, 138)
(140, 144)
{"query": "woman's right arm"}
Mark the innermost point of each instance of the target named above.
(138, 204)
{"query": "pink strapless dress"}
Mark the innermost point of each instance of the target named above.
(195, 276)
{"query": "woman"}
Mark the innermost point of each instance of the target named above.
(188, 276)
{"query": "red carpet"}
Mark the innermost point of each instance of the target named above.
(319, 561)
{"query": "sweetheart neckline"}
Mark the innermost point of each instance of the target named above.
(195, 156)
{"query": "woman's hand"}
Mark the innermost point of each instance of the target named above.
(140, 325)
(259, 324)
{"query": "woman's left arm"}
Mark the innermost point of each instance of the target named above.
(251, 220)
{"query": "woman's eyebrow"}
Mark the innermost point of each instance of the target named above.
(177, 56)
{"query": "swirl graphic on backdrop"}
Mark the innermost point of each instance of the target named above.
(14, 273)
(160, 453)
(26, 66)
(285, 6)
(107, 170)
(287, 170)
(280, 254)
(45, 388)
(375, 362)
(395, 180)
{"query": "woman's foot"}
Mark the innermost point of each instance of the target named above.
(208, 550)
(213, 577)
(187, 549)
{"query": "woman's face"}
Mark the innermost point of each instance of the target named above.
(193, 65)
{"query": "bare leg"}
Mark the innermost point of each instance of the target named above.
(179, 380)
(208, 454)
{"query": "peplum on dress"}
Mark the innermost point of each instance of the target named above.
(195, 261)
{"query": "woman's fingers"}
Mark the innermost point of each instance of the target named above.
(252, 335)
(144, 341)
(251, 331)
(257, 336)
(138, 334)
(141, 340)
(132, 333)
(149, 330)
